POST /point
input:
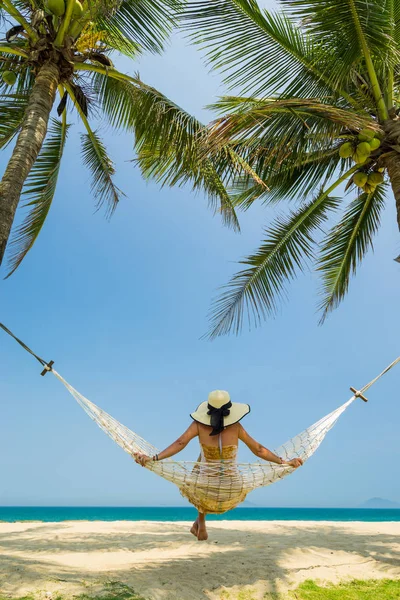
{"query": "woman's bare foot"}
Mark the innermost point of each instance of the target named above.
(195, 528)
(202, 534)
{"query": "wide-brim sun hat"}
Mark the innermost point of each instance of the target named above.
(219, 412)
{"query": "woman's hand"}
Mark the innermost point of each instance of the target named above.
(141, 459)
(294, 462)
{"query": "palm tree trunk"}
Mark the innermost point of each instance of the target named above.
(392, 161)
(28, 145)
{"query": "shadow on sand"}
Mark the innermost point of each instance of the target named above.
(166, 563)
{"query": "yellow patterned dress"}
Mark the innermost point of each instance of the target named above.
(215, 485)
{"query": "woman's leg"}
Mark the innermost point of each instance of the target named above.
(201, 527)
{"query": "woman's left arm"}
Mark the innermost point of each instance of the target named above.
(182, 441)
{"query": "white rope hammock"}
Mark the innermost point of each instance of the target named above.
(220, 485)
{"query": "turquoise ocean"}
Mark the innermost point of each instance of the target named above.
(148, 513)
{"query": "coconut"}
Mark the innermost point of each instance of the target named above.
(9, 77)
(368, 188)
(360, 158)
(375, 178)
(346, 150)
(362, 152)
(374, 143)
(360, 179)
(76, 28)
(381, 169)
(77, 11)
(364, 148)
(366, 135)
(57, 7)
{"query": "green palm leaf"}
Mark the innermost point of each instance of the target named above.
(100, 165)
(252, 117)
(119, 42)
(346, 20)
(346, 245)
(264, 53)
(394, 8)
(289, 244)
(17, 64)
(169, 142)
(144, 23)
(117, 98)
(357, 29)
(12, 111)
(40, 188)
(95, 157)
(292, 144)
(292, 179)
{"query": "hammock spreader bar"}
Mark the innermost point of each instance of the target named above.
(218, 486)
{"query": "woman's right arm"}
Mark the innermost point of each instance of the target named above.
(173, 449)
(262, 452)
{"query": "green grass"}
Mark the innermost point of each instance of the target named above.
(385, 589)
(113, 590)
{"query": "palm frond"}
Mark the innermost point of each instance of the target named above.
(293, 179)
(143, 23)
(252, 116)
(17, 64)
(40, 188)
(264, 53)
(116, 40)
(168, 140)
(100, 165)
(395, 10)
(12, 111)
(117, 98)
(288, 246)
(95, 157)
(346, 245)
(346, 20)
(361, 32)
(291, 144)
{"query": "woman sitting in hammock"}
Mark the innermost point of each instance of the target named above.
(218, 485)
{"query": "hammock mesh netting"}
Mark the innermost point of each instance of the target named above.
(220, 485)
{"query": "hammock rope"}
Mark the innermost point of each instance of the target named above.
(220, 485)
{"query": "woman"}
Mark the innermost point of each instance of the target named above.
(216, 424)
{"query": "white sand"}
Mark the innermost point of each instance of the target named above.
(162, 561)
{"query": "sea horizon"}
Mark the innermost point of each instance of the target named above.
(12, 514)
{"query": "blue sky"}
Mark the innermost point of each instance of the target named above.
(121, 306)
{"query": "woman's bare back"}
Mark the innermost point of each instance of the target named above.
(229, 436)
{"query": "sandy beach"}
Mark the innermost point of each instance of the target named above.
(162, 561)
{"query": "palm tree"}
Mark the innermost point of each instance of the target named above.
(62, 48)
(317, 106)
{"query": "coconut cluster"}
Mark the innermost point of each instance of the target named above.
(368, 181)
(360, 148)
(58, 8)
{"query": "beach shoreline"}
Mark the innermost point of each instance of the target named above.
(162, 561)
